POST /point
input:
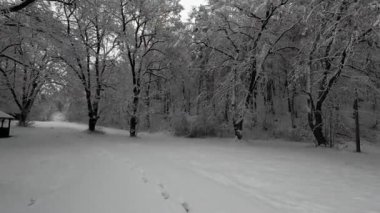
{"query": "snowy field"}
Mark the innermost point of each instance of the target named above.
(59, 168)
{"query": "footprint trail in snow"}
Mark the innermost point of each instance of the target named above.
(161, 187)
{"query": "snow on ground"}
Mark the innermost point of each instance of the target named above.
(58, 167)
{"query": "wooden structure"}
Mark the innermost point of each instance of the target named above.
(5, 124)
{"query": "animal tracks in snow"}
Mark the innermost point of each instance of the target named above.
(31, 202)
(185, 206)
(145, 180)
(164, 193)
(159, 185)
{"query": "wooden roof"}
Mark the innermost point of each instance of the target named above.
(4, 115)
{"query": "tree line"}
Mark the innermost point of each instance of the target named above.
(236, 67)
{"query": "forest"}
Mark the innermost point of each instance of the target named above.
(236, 106)
(294, 69)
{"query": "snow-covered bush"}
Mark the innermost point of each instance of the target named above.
(203, 126)
(180, 124)
(199, 126)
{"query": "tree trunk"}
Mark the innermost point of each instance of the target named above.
(316, 125)
(227, 108)
(291, 109)
(147, 94)
(237, 119)
(92, 124)
(292, 113)
(23, 121)
(269, 97)
(238, 128)
(357, 125)
(374, 108)
(318, 134)
(133, 120)
(167, 104)
(133, 125)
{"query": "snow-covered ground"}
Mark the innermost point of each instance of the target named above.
(58, 168)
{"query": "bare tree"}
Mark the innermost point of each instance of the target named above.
(90, 52)
(141, 33)
(26, 66)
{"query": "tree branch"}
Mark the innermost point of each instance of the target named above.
(25, 3)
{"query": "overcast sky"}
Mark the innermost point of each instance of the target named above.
(188, 5)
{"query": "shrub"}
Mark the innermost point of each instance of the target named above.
(198, 126)
(180, 124)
